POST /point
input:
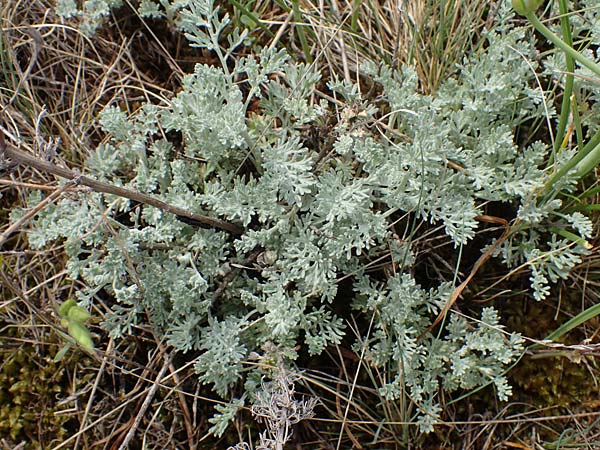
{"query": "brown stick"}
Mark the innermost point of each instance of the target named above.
(480, 262)
(22, 158)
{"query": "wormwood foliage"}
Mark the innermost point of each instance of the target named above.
(93, 13)
(320, 203)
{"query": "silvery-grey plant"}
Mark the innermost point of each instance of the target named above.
(318, 204)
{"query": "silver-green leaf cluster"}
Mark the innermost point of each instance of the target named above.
(334, 211)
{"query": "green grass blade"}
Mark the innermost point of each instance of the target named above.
(580, 318)
(298, 19)
(246, 12)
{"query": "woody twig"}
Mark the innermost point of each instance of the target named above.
(7, 150)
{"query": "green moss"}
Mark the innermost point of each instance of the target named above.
(555, 381)
(31, 387)
(551, 379)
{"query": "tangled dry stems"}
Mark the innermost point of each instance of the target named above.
(55, 83)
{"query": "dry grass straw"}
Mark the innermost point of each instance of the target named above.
(430, 35)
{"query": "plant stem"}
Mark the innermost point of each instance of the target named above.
(569, 51)
(570, 68)
(589, 162)
(589, 148)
